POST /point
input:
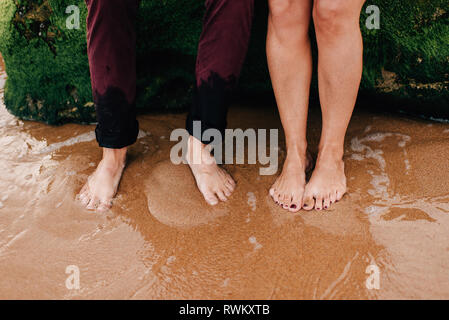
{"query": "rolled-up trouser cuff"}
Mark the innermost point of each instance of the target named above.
(204, 127)
(117, 140)
(117, 125)
(210, 106)
(221, 52)
(111, 38)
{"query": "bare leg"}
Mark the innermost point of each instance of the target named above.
(339, 73)
(101, 187)
(290, 63)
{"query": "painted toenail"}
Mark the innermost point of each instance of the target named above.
(325, 207)
(293, 206)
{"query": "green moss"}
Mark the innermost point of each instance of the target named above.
(7, 9)
(47, 67)
(407, 59)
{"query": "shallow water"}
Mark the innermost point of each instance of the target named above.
(161, 241)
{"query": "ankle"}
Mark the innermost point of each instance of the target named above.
(114, 158)
(296, 155)
(198, 152)
(333, 152)
(194, 143)
(297, 150)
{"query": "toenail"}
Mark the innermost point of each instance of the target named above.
(325, 207)
(293, 206)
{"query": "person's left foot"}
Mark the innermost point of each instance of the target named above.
(327, 184)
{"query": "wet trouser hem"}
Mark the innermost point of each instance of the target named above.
(221, 52)
(210, 107)
(111, 37)
(117, 124)
(117, 140)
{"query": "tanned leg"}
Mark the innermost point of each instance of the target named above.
(340, 66)
(290, 64)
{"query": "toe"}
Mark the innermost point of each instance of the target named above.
(333, 197)
(227, 192)
(294, 207)
(308, 202)
(93, 204)
(85, 199)
(327, 202)
(83, 195)
(210, 198)
(83, 191)
(339, 195)
(104, 206)
(274, 189)
(276, 197)
(319, 203)
(220, 194)
(228, 187)
(282, 199)
(287, 202)
(296, 203)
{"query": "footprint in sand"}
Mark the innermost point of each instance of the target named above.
(174, 200)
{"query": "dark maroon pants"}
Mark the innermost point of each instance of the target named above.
(112, 57)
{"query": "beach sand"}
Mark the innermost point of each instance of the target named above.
(161, 241)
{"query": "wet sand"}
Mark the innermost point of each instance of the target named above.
(161, 241)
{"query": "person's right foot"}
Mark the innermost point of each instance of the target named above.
(288, 189)
(101, 186)
(213, 181)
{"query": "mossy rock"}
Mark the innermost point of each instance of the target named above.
(406, 60)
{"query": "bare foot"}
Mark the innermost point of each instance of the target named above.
(101, 186)
(288, 189)
(327, 184)
(213, 182)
